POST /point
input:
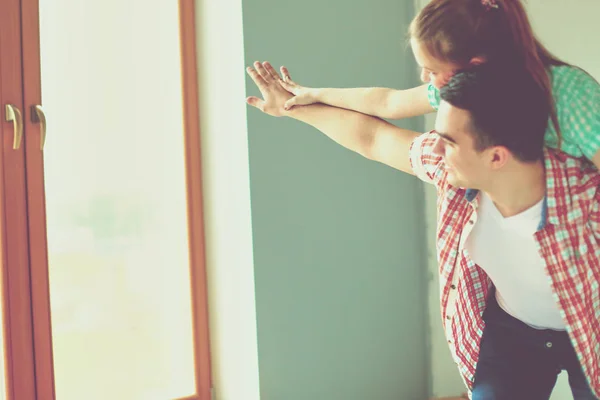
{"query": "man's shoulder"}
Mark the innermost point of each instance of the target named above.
(577, 172)
(427, 166)
(574, 181)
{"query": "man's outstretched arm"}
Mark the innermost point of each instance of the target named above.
(371, 137)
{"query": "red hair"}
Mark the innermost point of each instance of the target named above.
(457, 31)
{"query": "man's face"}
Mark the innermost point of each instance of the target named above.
(466, 167)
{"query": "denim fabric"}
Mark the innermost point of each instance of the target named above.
(518, 362)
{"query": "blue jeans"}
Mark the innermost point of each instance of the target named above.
(519, 362)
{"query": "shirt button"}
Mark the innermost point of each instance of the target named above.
(453, 287)
(549, 345)
(448, 317)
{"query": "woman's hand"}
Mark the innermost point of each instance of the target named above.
(302, 95)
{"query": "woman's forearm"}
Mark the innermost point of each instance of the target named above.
(377, 101)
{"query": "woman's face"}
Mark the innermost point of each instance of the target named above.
(432, 70)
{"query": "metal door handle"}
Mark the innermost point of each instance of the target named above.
(38, 117)
(13, 114)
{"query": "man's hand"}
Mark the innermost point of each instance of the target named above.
(269, 84)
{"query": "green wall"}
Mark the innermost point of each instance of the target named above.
(338, 240)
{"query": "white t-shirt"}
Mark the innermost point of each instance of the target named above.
(505, 249)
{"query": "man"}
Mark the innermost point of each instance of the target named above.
(518, 228)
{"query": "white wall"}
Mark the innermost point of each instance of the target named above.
(226, 191)
(570, 30)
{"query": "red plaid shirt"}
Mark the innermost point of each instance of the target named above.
(568, 240)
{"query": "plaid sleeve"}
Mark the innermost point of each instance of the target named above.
(594, 216)
(581, 99)
(433, 95)
(426, 165)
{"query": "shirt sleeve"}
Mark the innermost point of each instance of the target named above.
(433, 95)
(582, 117)
(594, 220)
(426, 165)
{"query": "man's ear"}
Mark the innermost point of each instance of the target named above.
(499, 156)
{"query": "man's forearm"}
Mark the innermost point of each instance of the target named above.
(371, 137)
(351, 129)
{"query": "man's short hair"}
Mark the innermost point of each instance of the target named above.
(508, 108)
